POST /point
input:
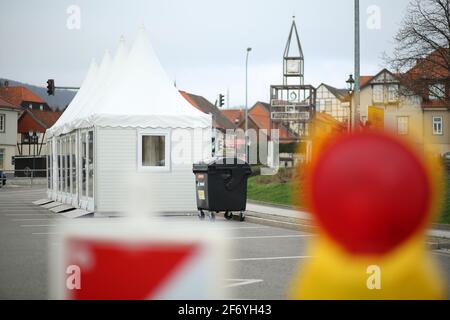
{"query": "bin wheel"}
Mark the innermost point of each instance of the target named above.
(212, 216)
(242, 216)
(228, 215)
(201, 215)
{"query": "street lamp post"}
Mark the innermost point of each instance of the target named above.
(246, 104)
(350, 86)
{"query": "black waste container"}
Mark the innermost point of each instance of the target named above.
(221, 186)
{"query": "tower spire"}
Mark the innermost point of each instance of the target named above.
(293, 31)
(293, 63)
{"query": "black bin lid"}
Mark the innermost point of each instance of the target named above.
(222, 163)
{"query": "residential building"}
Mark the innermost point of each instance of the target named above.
(8, 131)
(23, 97)
(414, 104)
(430, 79)
(383, 106)
(334, 102)
(31, 128)
(34, 119)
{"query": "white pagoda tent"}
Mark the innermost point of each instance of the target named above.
(127, 119)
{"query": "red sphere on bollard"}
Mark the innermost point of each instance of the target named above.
(369, 192)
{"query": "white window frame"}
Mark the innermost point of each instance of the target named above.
(393, 93)
(375, 97)
(407, 125)
(167, 144)
(433, 121)
(2, 123)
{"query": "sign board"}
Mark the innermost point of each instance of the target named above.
(291, 116)
(137, 259)
(376, 117)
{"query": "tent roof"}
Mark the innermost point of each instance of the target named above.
(131, 91)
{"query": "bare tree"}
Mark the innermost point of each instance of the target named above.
(421, 57)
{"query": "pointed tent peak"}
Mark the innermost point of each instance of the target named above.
(86, 87)
(148, 90)
(121, 52)
(142, 27)
(105, 65)
(287, 51)
(106, 58)
(142, 36)
(142, 33)
(92, 70)
(143, 50)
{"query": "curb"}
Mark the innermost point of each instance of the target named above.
(433, 243)
(439, 245)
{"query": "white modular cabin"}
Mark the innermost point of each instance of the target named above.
(127, 120)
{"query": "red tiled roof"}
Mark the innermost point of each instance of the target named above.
(6, 104)
(37, 120)
(16, 95)
(233, 114)
(47, 117)
(364, 80)
(199, 102)
(431, 67)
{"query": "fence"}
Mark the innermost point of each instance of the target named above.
(10, 178)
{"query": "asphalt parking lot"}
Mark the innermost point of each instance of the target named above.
(262, 264)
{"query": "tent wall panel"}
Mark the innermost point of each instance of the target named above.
(117, 152)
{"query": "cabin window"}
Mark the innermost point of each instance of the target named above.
(83, 165)
(91, 164)
(73, 163)
(58, 154)
(437, 126)
(154, 152)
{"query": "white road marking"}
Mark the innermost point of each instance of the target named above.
(38, 226)
(26, 214)
(44, 233)
(22, 209)
(270, 258)
(272, 237)
(242, 282)
(43, 219)
(240, 228)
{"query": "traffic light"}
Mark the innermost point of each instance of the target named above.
(221, 100)
(51, 87)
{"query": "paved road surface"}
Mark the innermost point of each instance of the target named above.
(265, 258)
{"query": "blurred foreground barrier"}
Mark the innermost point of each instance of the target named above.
(373, 196)
(137, 259)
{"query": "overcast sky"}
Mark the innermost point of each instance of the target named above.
(200, 43)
